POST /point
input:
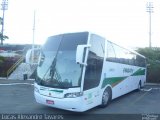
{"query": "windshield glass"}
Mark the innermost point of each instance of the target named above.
(57, 65)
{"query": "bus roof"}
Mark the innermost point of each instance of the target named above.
(133, 51)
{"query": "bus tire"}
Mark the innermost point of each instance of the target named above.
(106, 97)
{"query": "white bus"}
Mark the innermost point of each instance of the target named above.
(78, 71)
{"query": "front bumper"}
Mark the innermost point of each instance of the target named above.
(71, 104)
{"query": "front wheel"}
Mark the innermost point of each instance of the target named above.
(106, 97)
(139, 86)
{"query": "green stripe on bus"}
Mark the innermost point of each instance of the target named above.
(112, 81)
(59, 91)
(139, 72)
(42, 89)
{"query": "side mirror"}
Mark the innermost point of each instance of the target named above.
(80, 54)
(28, 57)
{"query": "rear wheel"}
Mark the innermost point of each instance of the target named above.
(106, 97)
(139, 86)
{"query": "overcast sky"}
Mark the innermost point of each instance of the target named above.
(125, 22)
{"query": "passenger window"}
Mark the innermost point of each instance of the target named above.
(111, 56)
(94, 62)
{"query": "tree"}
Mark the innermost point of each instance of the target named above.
(1, 20)
(2, 36)
(153, 60)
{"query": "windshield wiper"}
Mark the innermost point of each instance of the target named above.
(52, 68)
(53, 65)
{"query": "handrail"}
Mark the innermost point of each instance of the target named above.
(14, 66)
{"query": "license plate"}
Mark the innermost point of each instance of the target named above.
(49, 101)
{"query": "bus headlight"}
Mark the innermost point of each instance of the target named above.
(73, 95)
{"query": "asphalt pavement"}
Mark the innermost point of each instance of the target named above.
(16, 97)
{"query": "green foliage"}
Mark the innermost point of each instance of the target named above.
(6, 63)
(2, 37)
(1, 20)
(153, 60)
(1, 60)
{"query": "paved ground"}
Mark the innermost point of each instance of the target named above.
(18, 98)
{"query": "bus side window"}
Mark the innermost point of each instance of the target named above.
(131, 61)
(140, 61)
(111, 56)
(94, 63)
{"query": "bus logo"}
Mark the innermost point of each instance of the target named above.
(127, 70)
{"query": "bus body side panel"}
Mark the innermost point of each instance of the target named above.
(123, 78)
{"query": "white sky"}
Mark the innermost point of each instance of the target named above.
(125, 22)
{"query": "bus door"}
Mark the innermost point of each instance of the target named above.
(94, 70)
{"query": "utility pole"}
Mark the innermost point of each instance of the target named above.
(150, 11)
(4, 7)
(33, 36)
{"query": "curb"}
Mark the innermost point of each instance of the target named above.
(152, 83)
(8, 81)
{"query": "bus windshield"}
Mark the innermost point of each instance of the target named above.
(57, 65)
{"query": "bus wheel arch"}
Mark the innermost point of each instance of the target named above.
(139, 85)
(106, 97)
